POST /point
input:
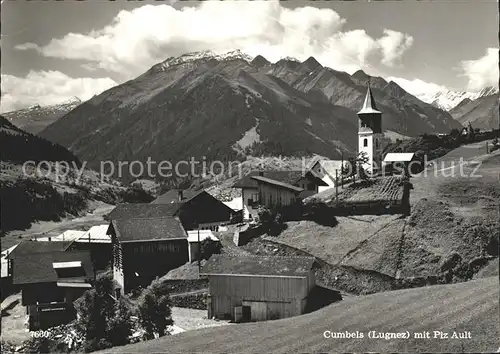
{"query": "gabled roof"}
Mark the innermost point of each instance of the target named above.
(399, 156)
(96, 234)
(277, 183)
(172, 196)
(289, 177)
(148, 229)
(38, 268)
(68, 235)
(143, 210)
(221, 264)
(329, 167)
(25, 248)
(369, 106)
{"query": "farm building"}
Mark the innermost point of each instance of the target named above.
(255, 288)
(194, 239)
(296, 182)
(382, 195)
(143, 210)
(197, 209)
(50, 282)
(328, 171)
(98, 243)
(144, 248)
(401, 163)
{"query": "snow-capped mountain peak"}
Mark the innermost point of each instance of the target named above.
(448, 99)
(207, 55)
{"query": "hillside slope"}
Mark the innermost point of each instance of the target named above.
(481, 113)
(228, 107)
(471, 306)
(58, 187)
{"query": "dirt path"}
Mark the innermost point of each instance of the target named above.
(190, 319)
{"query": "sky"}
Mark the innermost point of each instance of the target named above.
(54, 50)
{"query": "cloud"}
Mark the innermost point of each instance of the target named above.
(482, 72)
(394, 45)
(418, 87)
(144, 36)
(48, 87)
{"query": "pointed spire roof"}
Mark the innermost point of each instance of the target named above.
(369, 106)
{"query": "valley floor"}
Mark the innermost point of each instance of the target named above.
(53, 228)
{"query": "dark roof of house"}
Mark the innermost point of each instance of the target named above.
(33, 247)
(38, 268)
(143, 210)
(172, 196)
(277, 183)
(258, 265)
(148, 229)
(289, 177)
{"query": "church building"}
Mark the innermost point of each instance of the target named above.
(370, 135)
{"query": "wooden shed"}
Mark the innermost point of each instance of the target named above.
(258, 288)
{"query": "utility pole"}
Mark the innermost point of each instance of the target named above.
(199, 251)
(336, 186)
(342, 169)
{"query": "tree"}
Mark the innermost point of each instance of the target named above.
(208, 247)
(362, 159)
(103, 321)
(155, 312)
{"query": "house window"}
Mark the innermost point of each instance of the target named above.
(365, 142)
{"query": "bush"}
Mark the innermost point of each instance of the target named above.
(155, 310)
(208, 247)
(271, 222)
(320, 213)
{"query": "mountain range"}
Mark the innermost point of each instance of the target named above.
(34, 119)
(482, 113)
(225, 107)
(449, 99)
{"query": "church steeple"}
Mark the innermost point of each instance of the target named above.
(369, 106)
(370, 135)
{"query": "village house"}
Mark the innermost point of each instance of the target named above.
(256, 288)
(329, 171)
(144, 248)
(50, 282)
(275, 188)
(197, 209)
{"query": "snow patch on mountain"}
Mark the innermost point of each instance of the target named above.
(205, 55)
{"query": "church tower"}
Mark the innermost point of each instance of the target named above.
(370, 136)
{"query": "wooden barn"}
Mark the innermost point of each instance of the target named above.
(50, 282)
(144, 248)
(256, 288)
(290, 185)
(197, 209)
